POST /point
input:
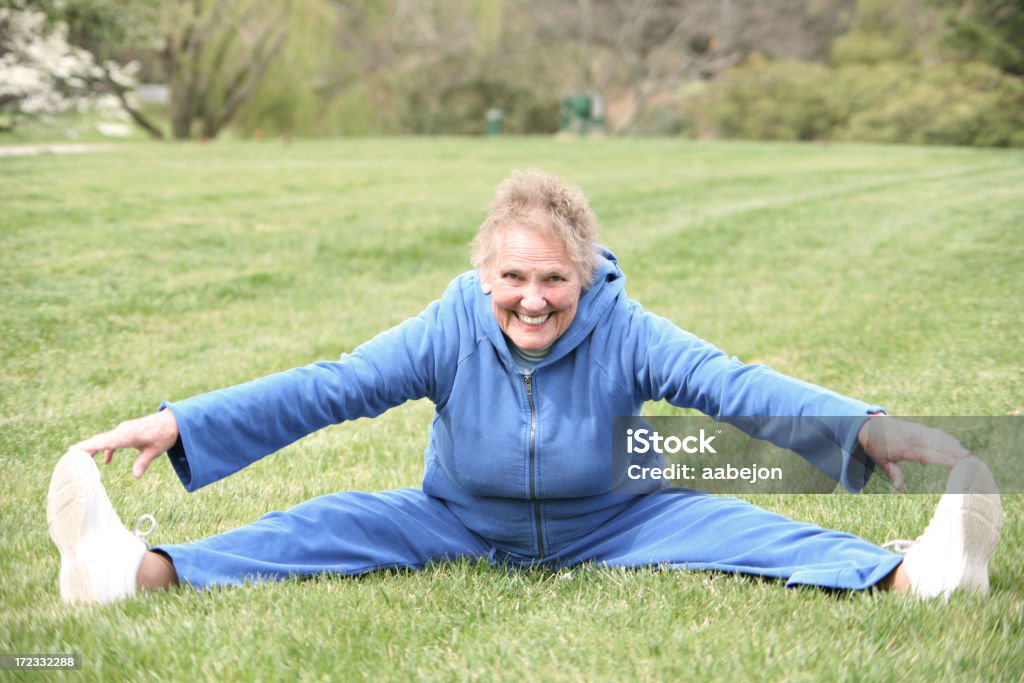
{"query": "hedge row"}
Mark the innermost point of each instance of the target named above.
(965, 104)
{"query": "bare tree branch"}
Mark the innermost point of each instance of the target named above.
(122, 96)
(246, 80)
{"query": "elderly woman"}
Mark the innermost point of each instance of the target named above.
(527, 359)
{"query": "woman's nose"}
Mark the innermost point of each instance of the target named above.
(533, 299)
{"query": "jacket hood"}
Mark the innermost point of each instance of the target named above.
(608, 283)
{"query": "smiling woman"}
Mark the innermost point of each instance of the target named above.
(528, 360)
(534, 288)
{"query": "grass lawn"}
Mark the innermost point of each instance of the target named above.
(152, 272)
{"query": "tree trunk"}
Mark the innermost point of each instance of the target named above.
(198, 65)
(245, 83)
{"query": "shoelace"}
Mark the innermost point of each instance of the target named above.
(144, 526)
(899, 545)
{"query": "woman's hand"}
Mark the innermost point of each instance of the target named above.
(889, 441)
(151, 436)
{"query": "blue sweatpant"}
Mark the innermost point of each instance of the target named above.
(353, 533)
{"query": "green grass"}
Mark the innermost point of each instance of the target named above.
(153, 272)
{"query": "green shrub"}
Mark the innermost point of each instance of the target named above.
(663, 119)
(967, 104)
(970, 104)
(867, 48)
(785, 100)
(357, 110)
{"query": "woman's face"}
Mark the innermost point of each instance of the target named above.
(534, 288)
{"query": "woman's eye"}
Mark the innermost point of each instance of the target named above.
(510, 276)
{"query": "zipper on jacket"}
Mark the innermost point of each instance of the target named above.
(528, 378)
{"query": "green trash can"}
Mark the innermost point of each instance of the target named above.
(576, 113)
(495, 116)
(581, 106)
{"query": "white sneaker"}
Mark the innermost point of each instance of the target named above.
(99, 557)
(953, 552)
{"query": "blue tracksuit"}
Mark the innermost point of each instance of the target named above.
(518, 466)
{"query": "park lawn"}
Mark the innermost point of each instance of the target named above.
(150, 272)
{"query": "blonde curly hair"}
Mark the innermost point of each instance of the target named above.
(545, 203)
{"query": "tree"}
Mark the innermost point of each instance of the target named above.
(43, 74)
(213, 54)
(108, 29)
(214, 59)
(883, 32)
(987, 30)
(435, 66)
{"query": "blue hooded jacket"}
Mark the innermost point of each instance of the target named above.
(525, 460)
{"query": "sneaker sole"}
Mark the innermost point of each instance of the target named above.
(981, 513)
(74, 479)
